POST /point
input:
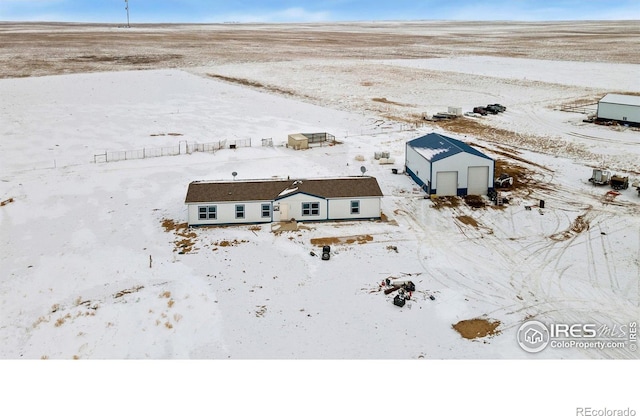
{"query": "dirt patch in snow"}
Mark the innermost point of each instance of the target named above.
(477, 328)
(253, 84)
(185, 239)
(465, 219)
(475, 201)
(127, 291)
(385, 101)
(226, 243)
(578, 225)
(440, 202)
(352, 239)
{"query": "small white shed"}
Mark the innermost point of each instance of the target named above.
(444, 166)
(619, 107)
(265, 201)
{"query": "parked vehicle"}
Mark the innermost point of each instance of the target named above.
(480, 110)
(491, 109)
(498, 107)
(504, 181)
(600, 177)
(619, 182)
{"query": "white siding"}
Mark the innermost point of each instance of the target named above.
(418, 164)
(226, 213)
(620, 112)
(340, 209)
(295, 207)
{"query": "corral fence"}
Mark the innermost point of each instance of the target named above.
(383, 128)
(580, 108)
(182, 148)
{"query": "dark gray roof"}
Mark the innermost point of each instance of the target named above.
(270, 190)
(436, 147)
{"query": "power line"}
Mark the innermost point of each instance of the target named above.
(126, 6)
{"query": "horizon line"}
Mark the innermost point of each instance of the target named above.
(315, 22)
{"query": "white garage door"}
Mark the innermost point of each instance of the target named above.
(478, 180)
(447, 183)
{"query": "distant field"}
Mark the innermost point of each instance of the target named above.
(36, 49)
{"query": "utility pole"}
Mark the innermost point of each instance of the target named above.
(126, 6)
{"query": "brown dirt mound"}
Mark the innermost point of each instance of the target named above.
(445, 202)
(474, 201)
(465, 219)
(477, 328)
(325, 241)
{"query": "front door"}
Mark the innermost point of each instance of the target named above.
(284, 212)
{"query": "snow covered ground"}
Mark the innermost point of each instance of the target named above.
(90, 272)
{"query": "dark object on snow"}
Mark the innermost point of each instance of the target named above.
(619, 182)
(480, 110)
(504, 181)
(542, 203)
(496, 107)
(394, 171)
(312, 253)
(399, 301)
(326, 249)
(406, 286)
(325, 255)
(392, 289)
(432, 297)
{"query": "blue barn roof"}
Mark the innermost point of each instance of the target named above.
(435, 146)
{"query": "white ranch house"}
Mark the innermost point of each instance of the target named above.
(265, 201)
(444, 166)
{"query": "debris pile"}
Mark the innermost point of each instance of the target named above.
(402, 288)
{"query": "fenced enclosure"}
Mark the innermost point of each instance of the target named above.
(580, 108)
(182, 148)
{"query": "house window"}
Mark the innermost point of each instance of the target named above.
(209, 212)
(266, 210)
(355, 207)
(310, 208)
(239, 211)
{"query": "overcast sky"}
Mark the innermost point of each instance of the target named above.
(208, 11)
